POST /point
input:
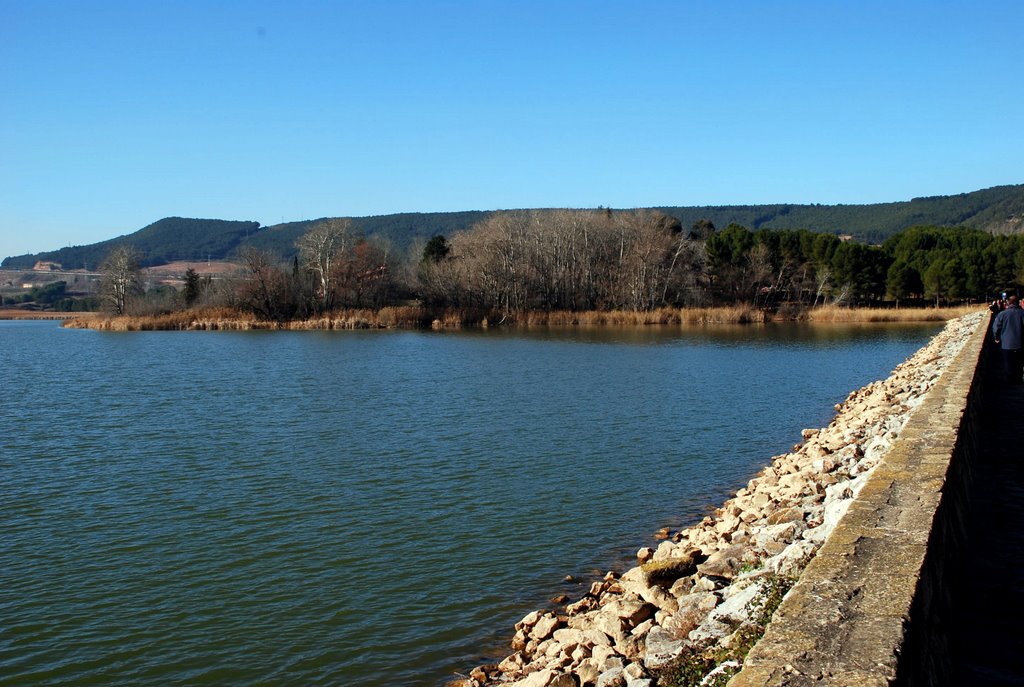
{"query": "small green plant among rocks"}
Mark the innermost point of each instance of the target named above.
(748, 566)
(712, 663)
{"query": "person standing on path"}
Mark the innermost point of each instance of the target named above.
(1008, 331)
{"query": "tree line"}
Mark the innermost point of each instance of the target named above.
(581, 260)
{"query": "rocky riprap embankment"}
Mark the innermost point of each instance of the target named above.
(702, 585)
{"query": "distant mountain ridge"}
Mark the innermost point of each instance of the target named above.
(999, 209)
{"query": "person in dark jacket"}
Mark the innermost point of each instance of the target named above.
(1008, 331)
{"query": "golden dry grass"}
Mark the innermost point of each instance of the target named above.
(831, 313)
(417, 317)
(237, 320)
(205, 318)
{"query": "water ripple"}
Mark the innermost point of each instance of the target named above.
(361, 508)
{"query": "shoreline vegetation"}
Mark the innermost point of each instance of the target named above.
(419, 317)
(547, 268)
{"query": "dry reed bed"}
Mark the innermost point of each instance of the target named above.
(830, 313)
(235, 320)
(417, 317)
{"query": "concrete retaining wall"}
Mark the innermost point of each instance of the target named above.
(871, 607)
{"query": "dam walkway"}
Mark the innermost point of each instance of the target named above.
(986, 639)
(922, 581)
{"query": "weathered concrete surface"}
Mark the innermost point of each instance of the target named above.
(845, 622)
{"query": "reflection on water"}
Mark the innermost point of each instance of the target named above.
(779, 333)
(365, 508)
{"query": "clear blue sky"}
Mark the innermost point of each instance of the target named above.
(115, 114)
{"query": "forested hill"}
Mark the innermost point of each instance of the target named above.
(170, 239)
(999, 209)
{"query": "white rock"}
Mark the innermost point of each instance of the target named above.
(568, 637)
(834, 512)
(610, 624)
(634, 671)
(632, 610)
(665, 550)
(652, 594)
(529, 620)
(541, 678)
(782, 533)
(563, 680)
(601, 654)
(512, 665)
(661, 647)
(611, 678)
(642, 629)
(733, 607)
(544, 627)
(587, 672)
(593, 638)
(792, 557)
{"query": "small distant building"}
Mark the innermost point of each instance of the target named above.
(46, 266)
(846, 237)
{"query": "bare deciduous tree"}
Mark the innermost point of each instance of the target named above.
(120, 278)
(567, 260)
(319, 248)
(266, 288)
(364, 276)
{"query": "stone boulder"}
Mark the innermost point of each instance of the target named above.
(662, 647)
(545, 627)
(540, 678)
(724, 563)
(631, 609)
(666, 569)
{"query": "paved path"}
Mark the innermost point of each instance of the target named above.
(988, 637)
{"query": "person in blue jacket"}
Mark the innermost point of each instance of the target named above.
(1008, 331)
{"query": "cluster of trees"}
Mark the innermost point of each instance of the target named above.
(938, 264)
(564, 260)
(334, 268)
(766, 268)
(953, 264)
(594, 260)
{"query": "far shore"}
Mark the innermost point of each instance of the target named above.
(17, 314)
(417, 317)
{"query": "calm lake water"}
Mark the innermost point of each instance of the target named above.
(364, 508)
